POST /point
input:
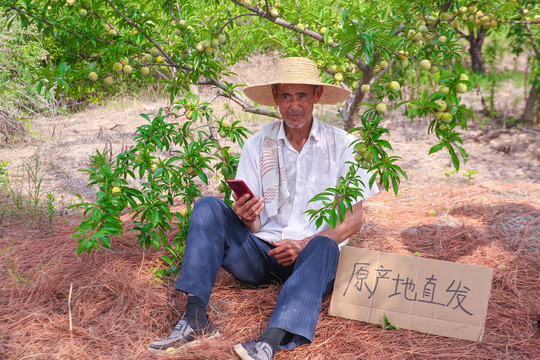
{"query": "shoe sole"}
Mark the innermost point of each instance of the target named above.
(172, 350)
(242, 352)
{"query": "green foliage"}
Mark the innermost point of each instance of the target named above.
(387, 325)
(21, 55)
(194, 43)
(149, 185)
(22, 194)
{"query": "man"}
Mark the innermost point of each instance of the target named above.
(269, 237)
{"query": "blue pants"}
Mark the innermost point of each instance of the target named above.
(218, 238)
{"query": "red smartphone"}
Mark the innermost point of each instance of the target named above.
(240, 188)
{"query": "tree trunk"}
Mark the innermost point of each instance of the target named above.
(532, 107)
(476, 50)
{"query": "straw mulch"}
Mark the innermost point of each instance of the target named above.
(108, 305)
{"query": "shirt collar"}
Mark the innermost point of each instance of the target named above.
(314, 133)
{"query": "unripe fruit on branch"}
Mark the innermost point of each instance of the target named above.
(199, 47)
(83, 13)
(441, 105)
(214, 43)
(446, 117)
(154, 51)
(93, 76)
(124, 61)
(108, 81)
(383, 64)
(225, 124)
(209, 50)
(116, 190)
(322, 30)
(444, 89)
(183, 212)
(461, 88)
(338, 77)
(425, 64)
(70, 2)
(463, 77)
(300, 27)
(274, 12)
(221, 38)
(394, 85)
(160, 60)
(365, 88)
(117, 67)
(381, 108)
(145, 71)
(147, 58)
(127, 69)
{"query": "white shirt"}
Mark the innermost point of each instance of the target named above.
(317, 167)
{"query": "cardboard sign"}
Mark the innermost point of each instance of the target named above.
(431, 296)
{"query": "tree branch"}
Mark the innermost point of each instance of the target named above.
(130, 22)
(246, 106)
(53, 25)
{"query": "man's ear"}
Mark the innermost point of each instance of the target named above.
(318, 93)
(274, 93)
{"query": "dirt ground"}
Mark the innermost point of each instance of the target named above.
(108, 305)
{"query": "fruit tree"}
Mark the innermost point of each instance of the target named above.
(519, 21)
(379, 50)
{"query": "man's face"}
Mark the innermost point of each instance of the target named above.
(295, 102)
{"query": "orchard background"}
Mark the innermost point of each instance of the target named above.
(145, 98)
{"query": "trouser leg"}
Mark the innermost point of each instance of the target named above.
(217, 237)
(299, 302)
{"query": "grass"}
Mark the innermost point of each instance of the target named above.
(22, 195)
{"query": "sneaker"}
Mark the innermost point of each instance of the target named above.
(253, 350)
(182, 336)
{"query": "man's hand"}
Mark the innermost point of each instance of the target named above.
(286, 251)
(248, 210)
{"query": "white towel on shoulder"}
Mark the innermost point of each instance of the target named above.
(274, 181)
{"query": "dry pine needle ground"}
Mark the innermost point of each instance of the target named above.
(108, 305)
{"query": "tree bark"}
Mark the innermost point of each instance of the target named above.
(532, 107)
(475, 50)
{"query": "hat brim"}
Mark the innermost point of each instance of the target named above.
(262, 94)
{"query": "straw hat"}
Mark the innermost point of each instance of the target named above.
(296, 70)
